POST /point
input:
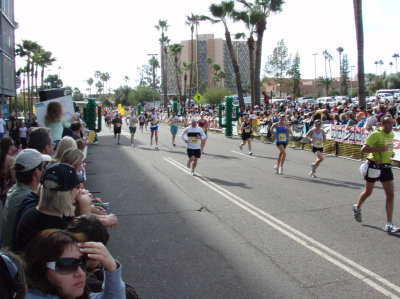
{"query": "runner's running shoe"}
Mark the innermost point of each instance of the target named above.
(312, 174)
(280, 170)
(391, 228)
(250, 154)
(313, 168)
(357, 213)
(276, 169)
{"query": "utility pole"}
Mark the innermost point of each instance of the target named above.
(154, 79)
(315, 74)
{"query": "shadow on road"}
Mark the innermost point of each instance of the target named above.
(329, 182)
(382, 230)
(220, 156)
(227, 183)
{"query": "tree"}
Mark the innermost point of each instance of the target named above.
(294, 72)
(45, 60)
(191, 21)
(376, 67)
(142, 94)
(77, 95)
(126, 79)
(175, 50)
(326, 83)
(391, 66)
(344, 80)
(279, 62)
(105, 77)
(163, 27)
(264, 9)
(67, 90)
(222, 12)
(185, 67)
(392, 81)
(395, 56)
(90, 82)
(52, 81)
(215, 96)
(380, 64)
(340, 51)
(360, 51)
(99, 87)
(326, 57)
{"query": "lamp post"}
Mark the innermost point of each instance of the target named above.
(351, 81)
(154, 79)
(315, 74)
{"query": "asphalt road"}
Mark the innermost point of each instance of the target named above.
(238, 230)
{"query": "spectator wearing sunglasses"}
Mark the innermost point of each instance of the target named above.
(55, 265)
(60, 199)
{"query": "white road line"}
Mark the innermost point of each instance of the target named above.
(243, 155)
(302, 239)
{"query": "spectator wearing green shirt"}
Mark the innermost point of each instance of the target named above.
(379, 145)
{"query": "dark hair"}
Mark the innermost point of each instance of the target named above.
(5, 144)
(92, 228)
(25, 177)
(38, 138)
(76, 125)
(46, 246)
(80, 143)
(54, 112)
(11, 286)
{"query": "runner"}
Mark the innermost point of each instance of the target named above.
(191, 135)
(203, 123)
(133, 120)
(146, 123)
(246, 133)
(153, 119)
(317, 137)
(117, 122)
(379, 145)
(109, 120)
(142, 121)
(282, 131)
(173, 122)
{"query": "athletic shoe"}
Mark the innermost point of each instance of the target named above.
(132, 144)
(391, 228)
(280, 170)
(202, 152)
(156, 147)
(192, 172)
(241, 147)
(312, 174)
(118, 142)
(151, 142)
(250, 154)
(357, 213)
(313, 168)
(276, 169)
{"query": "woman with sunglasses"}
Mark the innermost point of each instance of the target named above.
(55, 264)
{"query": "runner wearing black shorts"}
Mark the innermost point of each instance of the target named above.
(117, 122)
(192, 136)
(246, 133)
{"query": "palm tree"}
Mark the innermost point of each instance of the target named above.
(191, 21)
(263, 9)
(380, 64)
(163, 27)
(395, 56)
(45, 60)
(340, 50)
(325, 82)
(175, 51)
(105, 77)
(329, 62)
(126, 79)
(222, 12)
(390, 65)
(99, 87)
(209, 63)
(90, 82)
(185, 67)
(376, 67)
(326, 57)
(360, 50)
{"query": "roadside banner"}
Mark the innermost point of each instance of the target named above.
(66, 102)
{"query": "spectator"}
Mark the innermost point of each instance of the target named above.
(55, 267)
(22, 134)
(29, 165)
(12, 279)
(7, 172)
(59, 198)
(371, 120)
(2, 127)
(74, 157)
(14, 133)
(55, 121)
(66, 143)
(360, 120)
(76, 128)
(40, 139)
(350, 119)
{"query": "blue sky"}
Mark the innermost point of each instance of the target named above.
(116, 36)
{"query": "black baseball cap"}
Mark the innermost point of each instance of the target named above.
(64, 175)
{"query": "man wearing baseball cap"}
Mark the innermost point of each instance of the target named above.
(29, 165)
(192, 136)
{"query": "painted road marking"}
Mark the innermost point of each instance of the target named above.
(330, 255)
(248, 156)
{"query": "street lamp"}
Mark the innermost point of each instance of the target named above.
(315, 74)
(154, 79)
(351, 81)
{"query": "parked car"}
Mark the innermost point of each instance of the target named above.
(340, 100)
(327, 101)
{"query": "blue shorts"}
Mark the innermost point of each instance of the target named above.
(154, 128)
(174, 129)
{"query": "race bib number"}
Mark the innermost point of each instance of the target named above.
(193, 140)
(247, 130)
(173, 122)
(318, 143)
(282, 137)
(133, 123)
(154, 122)
(117, 125)
(389, 143)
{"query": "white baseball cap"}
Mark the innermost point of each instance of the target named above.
(29, 159)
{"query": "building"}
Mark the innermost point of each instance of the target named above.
(210, 51)
(7, 50)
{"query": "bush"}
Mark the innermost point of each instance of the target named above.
(216, 95)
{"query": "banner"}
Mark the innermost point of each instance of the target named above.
(66, 102)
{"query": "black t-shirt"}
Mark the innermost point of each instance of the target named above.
(32, 223)
(117, 122)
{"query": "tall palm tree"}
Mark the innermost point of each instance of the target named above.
(326, 57)
(340, 50)
(90, 82)
(163, 27)
(126, 79)
(395, 56)
(175, 51)
(222, 12)
(391, 66)
(376, 67)
(45, 60)
(191, 21)
(185, 67)
(209, 63)
(325, 82)
(264, 9)
(380, 64)
(360, 50)
(105, 77)
(329, 62)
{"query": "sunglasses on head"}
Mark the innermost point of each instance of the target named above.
(67, 265)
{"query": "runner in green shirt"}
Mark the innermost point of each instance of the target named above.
(379, 145)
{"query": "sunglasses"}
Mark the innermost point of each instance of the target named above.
(67, 265)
